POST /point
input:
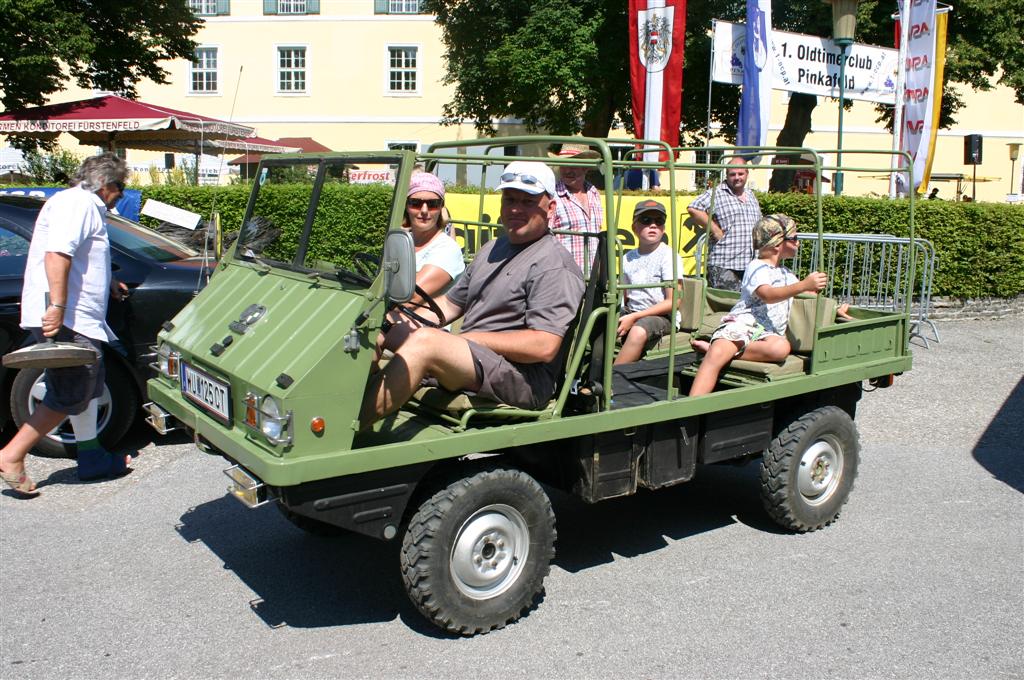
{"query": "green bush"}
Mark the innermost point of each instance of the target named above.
(980, 246)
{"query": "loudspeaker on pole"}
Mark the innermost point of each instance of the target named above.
(972, 149)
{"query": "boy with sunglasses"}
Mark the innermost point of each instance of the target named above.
(647, 311)
(755, 328)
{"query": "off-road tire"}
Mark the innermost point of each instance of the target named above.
(311, 526)
(808, 470)
(475, 554)
(114, 419)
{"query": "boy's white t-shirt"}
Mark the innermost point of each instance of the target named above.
(652, 267)
(443, 252)
(752, 309)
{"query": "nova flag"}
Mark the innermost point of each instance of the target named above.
(757, 76)
(657, 31)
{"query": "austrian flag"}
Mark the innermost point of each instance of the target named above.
(657, 32)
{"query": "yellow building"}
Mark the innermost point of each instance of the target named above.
(366, 74)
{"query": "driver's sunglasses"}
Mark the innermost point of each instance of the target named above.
(418, 203)
(792, 239)
(651, 219)
(518, 177)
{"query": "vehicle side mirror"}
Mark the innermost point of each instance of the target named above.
(399, 265)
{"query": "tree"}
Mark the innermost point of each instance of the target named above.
(101, 44)
(560, 65)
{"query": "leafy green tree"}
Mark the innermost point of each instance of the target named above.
(562, 65)
(100, 44)
(51, 168)
(559, 65)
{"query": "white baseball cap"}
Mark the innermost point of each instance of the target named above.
(533, 177)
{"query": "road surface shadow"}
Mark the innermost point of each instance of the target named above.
(306, 581)
(999, 448)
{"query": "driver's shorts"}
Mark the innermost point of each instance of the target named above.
(526, 386)
(69, 390)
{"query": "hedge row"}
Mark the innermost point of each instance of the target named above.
(980, 246)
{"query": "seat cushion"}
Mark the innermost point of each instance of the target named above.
(441, 399)
(793, 365)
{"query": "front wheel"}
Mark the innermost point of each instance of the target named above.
(118, 406)
(808, 470)
(475, 554)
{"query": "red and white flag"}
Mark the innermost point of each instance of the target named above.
(657, 32)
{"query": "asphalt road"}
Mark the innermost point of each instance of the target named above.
(160, 575)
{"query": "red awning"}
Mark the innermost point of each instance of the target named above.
(113, 121)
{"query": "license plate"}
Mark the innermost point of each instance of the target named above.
(211, 394)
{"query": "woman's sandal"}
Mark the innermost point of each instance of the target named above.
(20, 483)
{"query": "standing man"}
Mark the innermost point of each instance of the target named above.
(518, 296)
(736, 211)
(577, 205)
(69, 259)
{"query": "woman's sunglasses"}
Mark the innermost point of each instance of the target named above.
(418, 203)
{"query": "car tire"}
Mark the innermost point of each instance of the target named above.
(119, 404)
(808, 470)
(475, 554)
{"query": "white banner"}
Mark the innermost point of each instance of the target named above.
(809, 64)
(920, 77)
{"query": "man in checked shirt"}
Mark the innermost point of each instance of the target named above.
(577, 205)
(736, 211)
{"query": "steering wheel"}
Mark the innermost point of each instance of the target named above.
(431, 304)
(368, 264)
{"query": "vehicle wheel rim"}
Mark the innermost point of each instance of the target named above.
(821, 467)
(63, 432)
(490, 551)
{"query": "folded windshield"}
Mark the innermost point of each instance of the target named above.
(344, 227)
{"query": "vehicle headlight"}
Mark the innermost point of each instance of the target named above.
(274, 423)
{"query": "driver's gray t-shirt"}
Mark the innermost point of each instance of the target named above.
(536, 286)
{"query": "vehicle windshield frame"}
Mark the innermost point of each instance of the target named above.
(396, 159)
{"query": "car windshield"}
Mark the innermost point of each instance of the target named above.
(136, 239)
(348, 225)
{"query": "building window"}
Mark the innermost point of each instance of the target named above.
(207, 8)
(396, 6)
(291, 69)
(402, 70)
(204, 70)
(704, 179)
(291, 6)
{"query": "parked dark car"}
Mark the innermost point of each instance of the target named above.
(162, 275)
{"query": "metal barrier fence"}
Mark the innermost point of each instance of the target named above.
(870, 270)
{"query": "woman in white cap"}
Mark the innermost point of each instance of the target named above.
(438, 257)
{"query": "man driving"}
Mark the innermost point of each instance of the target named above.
(518, 297)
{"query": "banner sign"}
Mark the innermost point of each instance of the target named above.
(809, 64)
(755, 105)
(919, 97)
(657, 31)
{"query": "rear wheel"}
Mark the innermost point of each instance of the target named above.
(118, 406)
(475, 554)
(808, 470)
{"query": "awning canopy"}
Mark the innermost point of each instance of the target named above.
(112, 121)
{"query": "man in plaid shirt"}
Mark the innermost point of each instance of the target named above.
(736, 211)
(577, 206)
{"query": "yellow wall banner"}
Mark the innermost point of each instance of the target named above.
(465, 209)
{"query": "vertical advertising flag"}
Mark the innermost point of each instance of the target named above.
(919, 76)
(657, 33)
(757, 76)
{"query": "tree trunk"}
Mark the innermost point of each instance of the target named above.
(793, 133)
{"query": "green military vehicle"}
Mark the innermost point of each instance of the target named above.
(267, 368)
